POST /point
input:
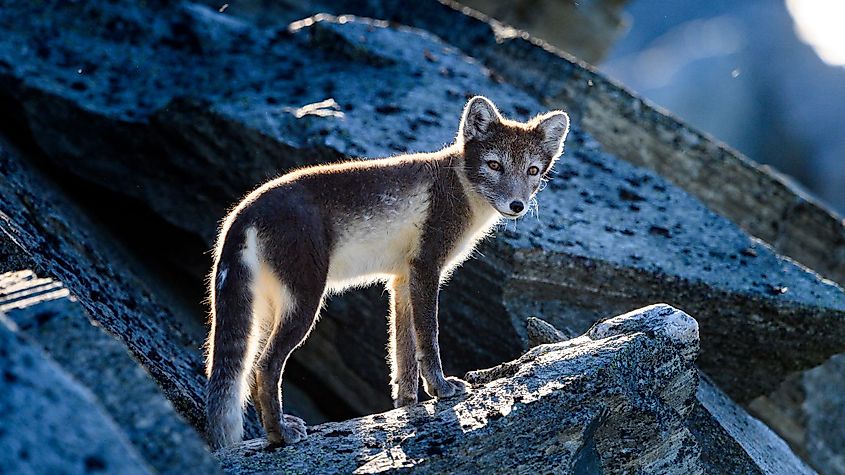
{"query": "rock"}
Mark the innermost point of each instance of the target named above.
(732, 441)
(763, 203)
(44, 310)
(609, 237)
(49, 423)
(540, 332)
(729, 439)
(808, 410)
(618, 398)
(43, 229)
(585, 30)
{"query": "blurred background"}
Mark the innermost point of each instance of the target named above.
(767, 77)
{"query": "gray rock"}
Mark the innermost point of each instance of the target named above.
(49, 423)
(732, 441)
(540, 332)
(609, 236)
(43, 229)
(808, 410)
(585, 30)
(44, 310)
(613, 401)
(729, 439)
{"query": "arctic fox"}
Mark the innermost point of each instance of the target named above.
(407, 221)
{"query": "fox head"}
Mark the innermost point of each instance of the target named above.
(506, 161)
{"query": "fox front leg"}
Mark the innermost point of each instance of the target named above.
(425, 286)
(404, 372)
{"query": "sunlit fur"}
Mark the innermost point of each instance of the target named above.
(407, 221)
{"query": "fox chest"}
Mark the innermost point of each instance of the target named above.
(479, 226)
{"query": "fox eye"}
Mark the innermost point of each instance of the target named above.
(532, 170)
(494, 165)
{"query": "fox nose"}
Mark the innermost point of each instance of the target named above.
(517, 206)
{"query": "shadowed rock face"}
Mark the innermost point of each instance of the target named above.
(590, 405)
(43, 229)
(45, 312)
(223, 105)
(50, 423)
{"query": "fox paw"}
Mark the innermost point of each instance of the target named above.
(403, 401)
(292, 430)
(447, 387)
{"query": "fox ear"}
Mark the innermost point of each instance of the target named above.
(479, 114)
(554, 127)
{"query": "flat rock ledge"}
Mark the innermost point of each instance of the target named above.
(614, 400)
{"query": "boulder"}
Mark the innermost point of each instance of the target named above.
(729, 439)
(624, 398)
(612, 401)
(227, 103)
(49, 423)
(44, 311)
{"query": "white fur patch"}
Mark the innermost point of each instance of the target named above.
(249, 254)
(483, 220)
(221, 277)
(233, 423)
(272, 302)
(380, 242)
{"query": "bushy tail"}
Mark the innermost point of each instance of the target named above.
(228, 368)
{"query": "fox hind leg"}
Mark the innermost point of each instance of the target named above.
(289, 332)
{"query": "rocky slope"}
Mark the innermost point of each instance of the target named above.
(239, 103)
(42, 310)
(130, 128)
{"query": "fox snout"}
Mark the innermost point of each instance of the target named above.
(511, 208)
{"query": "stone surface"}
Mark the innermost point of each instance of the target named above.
(729, 439)
(226, 104)
(49, 423)
(44, 311)
(618, 398)
(732, 441)
(808, 410)
(585, 30)
(42, 228)
(540, 331)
